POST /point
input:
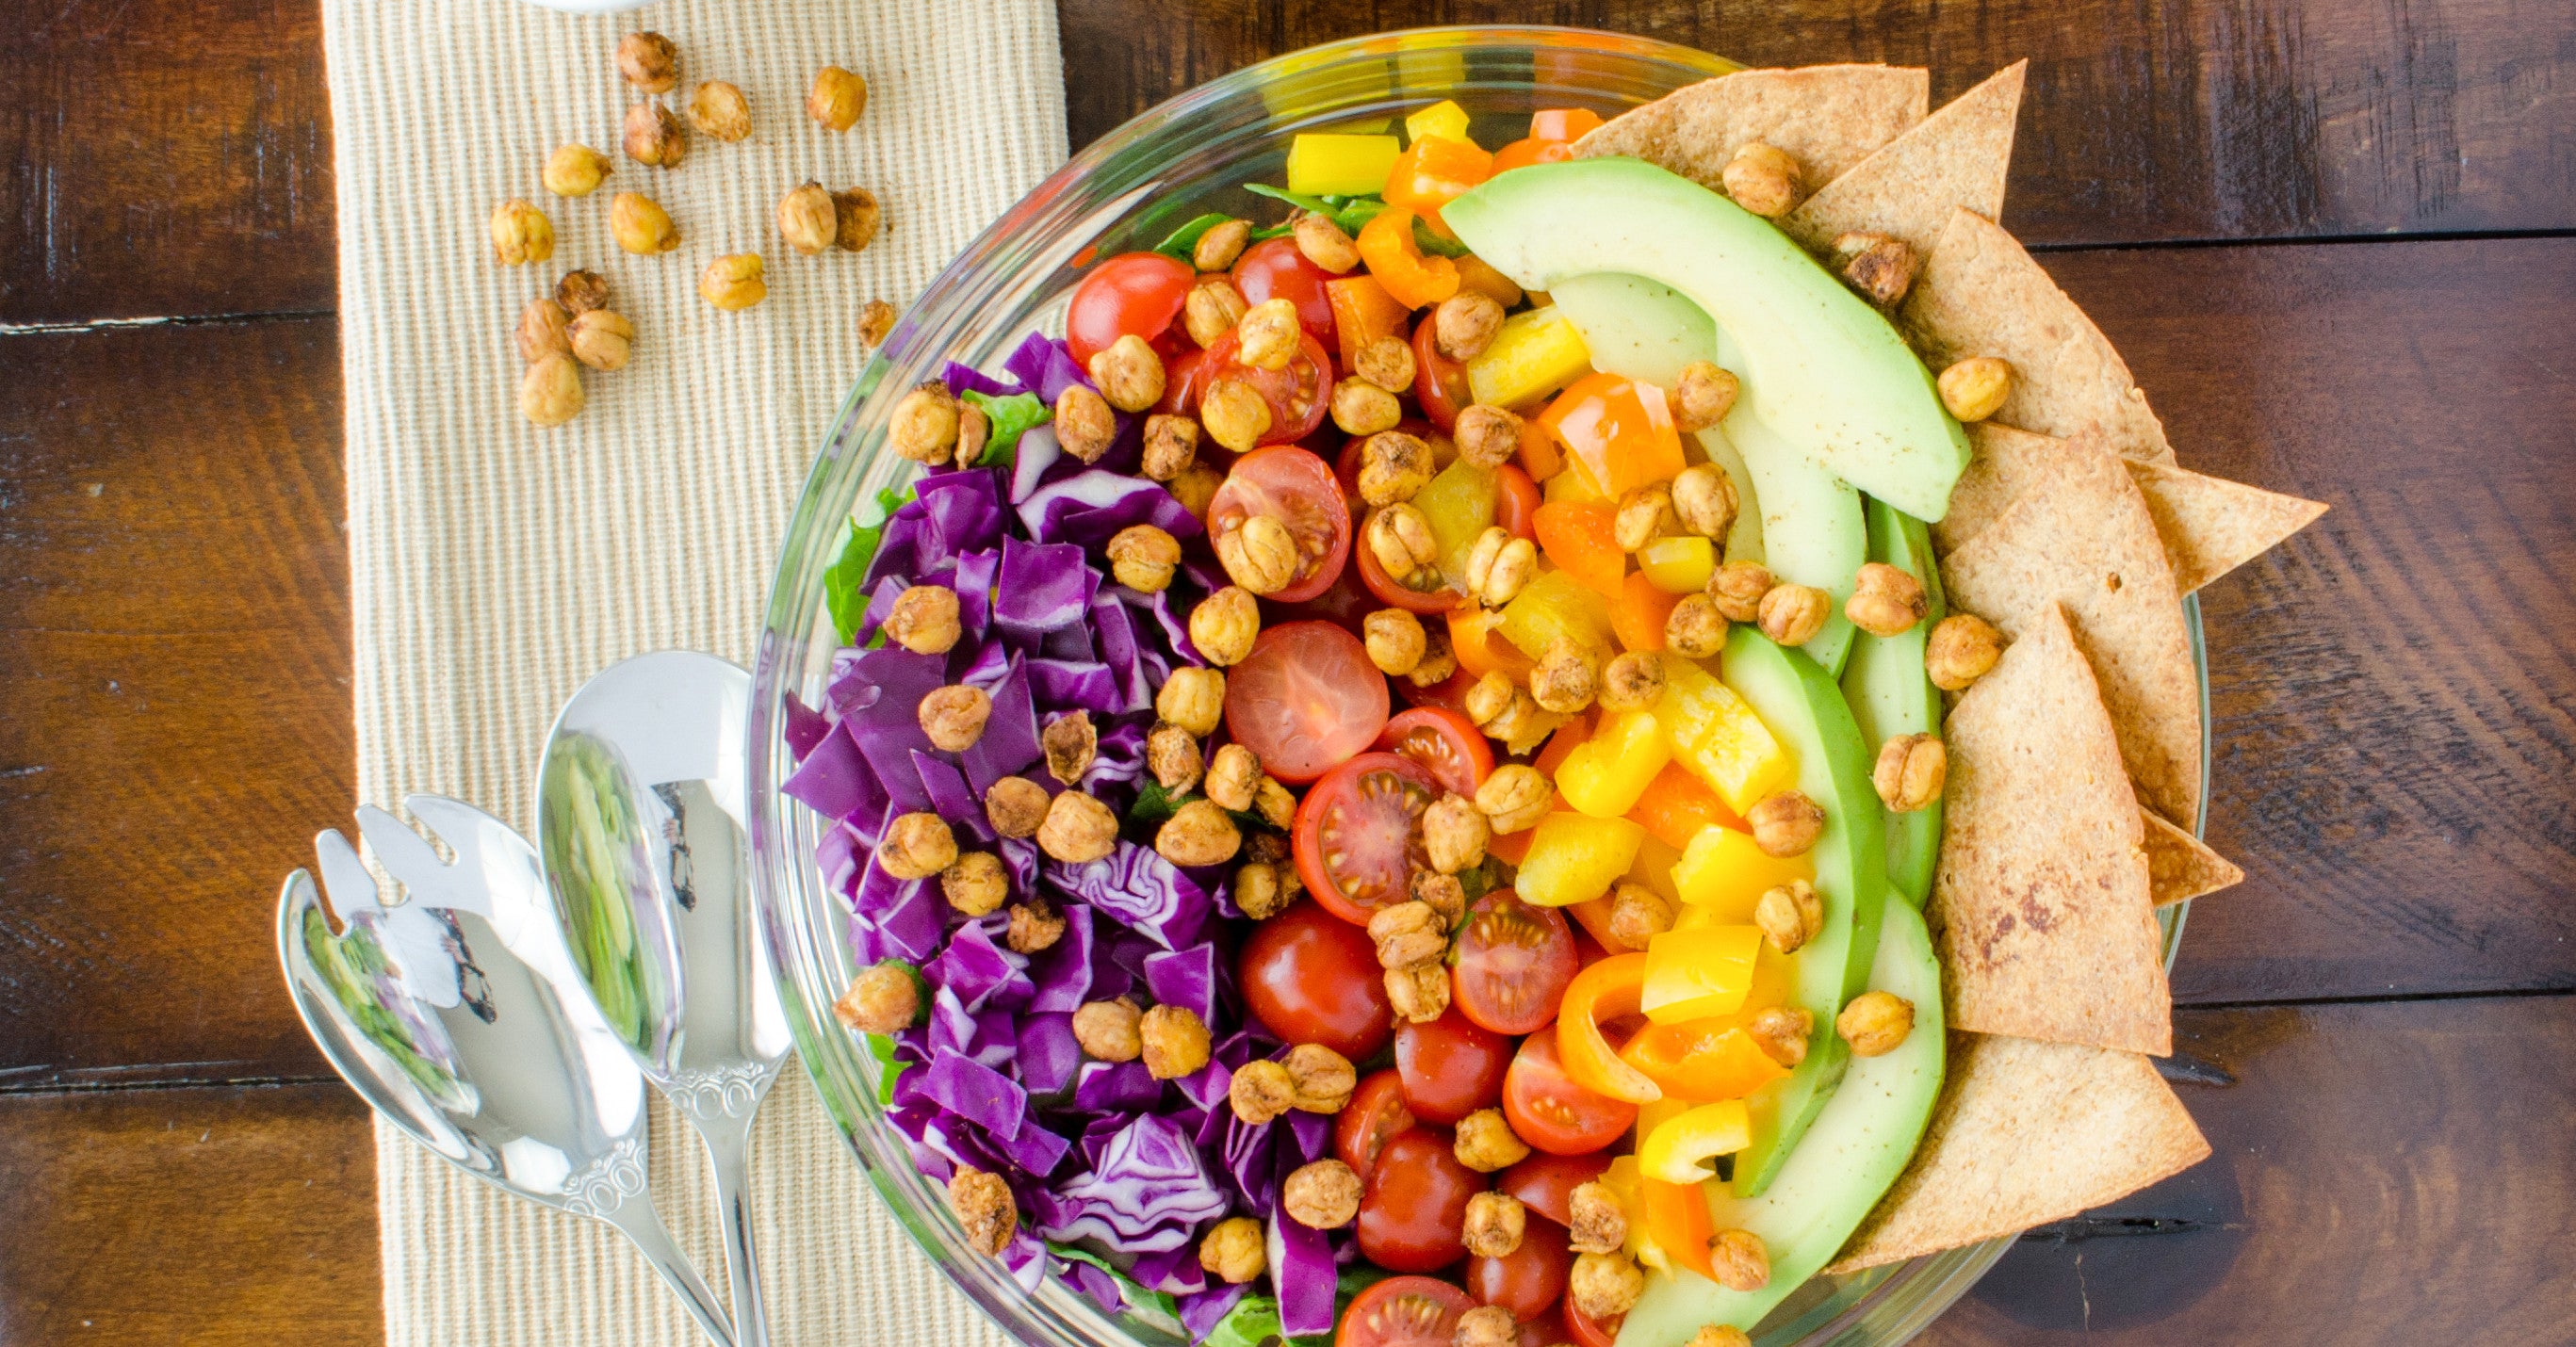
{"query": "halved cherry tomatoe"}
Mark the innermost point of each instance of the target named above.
(1530, 1279)
(1404, 1312)
(1450, 1067)
(1553, 1113)
(1375, 1116)
(1439, 383)
(1299, 392)
(1591, 1332)
(1297, 489)
(1358, 836)
(1439, 597)
(1275, 269)
(1449, 694)
(1310, 977)
(1444, 741)
(1132, 294)
(1545, 1183)
(1514, 960)
(1414, 1205)
(1305, 699)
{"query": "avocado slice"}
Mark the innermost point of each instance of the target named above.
(1801, 705)
(1855, 1150)
(1890, 694)
(1823, 370)
(1799, 519)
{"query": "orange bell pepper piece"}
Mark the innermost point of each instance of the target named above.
(1581, 537)
(1475, 637)
(1677, 1221)
(1538, 454)
(1387, 246)
(1678, 805)
(1434, 171)
(1568, 737)
(1639, 611)
(1704, 1060)
(1362, 313)
(1607, 990)
(1593, 915)
(1563, 124)
(1619, 430)
(1474, 273)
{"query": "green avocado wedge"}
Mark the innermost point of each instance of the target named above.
(1890, 694)
(1796, 518)
(1858, 1146)
(1801, 705)
(1823, 370)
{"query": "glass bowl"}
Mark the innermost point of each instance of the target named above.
(1125, 192)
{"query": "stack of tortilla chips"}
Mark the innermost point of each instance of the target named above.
(2075, 786)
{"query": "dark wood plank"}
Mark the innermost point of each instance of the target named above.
(174, 690)
(2391, 1173)
(169, 160)
(2144, 119)
(219, 1217)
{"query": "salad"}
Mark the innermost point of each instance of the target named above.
(1426, 774)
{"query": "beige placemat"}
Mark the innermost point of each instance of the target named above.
(496, 565)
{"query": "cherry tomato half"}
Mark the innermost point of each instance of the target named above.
(1450, 1067)
(1547, 1330)
(1446, 742)
(1404, 1312)
(1414, 1205)
(1439, 383)
(1516, 501)
(1529, 1280)
(1310, 977)
(1298, 490)
(1274, 269)
(1393, 592)
(1514, 960)
(1545, 1183)
(1591, 1332)
(1130, 295)
(1183, 375)
(1346, 603)
(1299, 392)
(1553, 1113)
(1449, 694)
(1375, 1116)
(1358, 835)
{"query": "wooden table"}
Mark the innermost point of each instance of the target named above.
(2331, 236)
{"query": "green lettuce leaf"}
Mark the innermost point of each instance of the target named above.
(842, 581)
(1012, 417)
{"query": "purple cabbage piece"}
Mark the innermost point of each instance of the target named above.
(1302, 1270)
(1140, 888)
(1062, 971)
(1245, 1148)
(1115, 1087)
(976, 571)
(909, 929)
(1099, 1285)
(1313, 1133)
(975, 1092)
(1070, 642)
(1117, 762)
(1010, 739)
(1048, 1054)
(1203, 1311)
(1032, 1148)
(979, 971)
(1047, 366)
(839, 856)
(804, 727)
(952, 512)
(1027, 1260)
(1185, 978)
(881, 600)
(1206, 1087)
(1020, 855)
(836, 782)
(1090, 507)
(967, 378)
(1095, 1143)
(1042, 587)
(1071, 685)
(1146, 1194)
(1176, 1271)
(883, 688)
(914, 1123)
(952, 1028)
(950, 798)
(1174, 626)
(1039, 450)
(1114, 636)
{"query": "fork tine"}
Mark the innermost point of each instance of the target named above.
(406, 855)
(346, 886)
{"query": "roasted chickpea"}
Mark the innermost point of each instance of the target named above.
(1495, 1224)
(1879, 267)
(649, 61)
(1220, 245)
(1465, 324)
(1363, 408)
(1875, 1023)
(1885, 600)
(1794, 614)
(1259, 554)
(1198, 833)
(1740, 1261)
(733, 282)
(1143, 557)
(718, 110)
(1234, 776)
(575, 170)
(1644, 515)
(916, 846)
(975, 883)
(924, 620)
(1513, 797)
(1638, 914)
(652, 136)
(1566, 678)
(1454, 834)
(1604, 1284)
(1016, 806)
(1705, 500)
(1324, 243)
(1171, 445)
(954, 716)
(1084, 425)
(836, 99)
(857, 217)
(1393, 466)
(544, 329)
(1172, 755)
(1213, 308)
(1193, 699)
(521, 233)
(1268, 335)
(1322, 1080)
(1790, 915)
(1486, 1142)
(1910, 771)
(1702, 397)
(1782, 1032)
(1407, 934)
(1975, 388)
(640, 225)
(1487, 436)
(1786, 824)
(1235, 414)
(1130, 375)
(1234, 1251)
(1394, 640)
(1962, 648)
(1069, 743)
(807, 219)
(1632, 681)
(1737, 589)
(883, 999)
(1078, 829)
(1322, 1195)
(983, 1205)
(1762, 179)
(1695, 629)
(1418, 993)
(1387, 363)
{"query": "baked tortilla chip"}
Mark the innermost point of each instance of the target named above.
(2004, 462)
(2181, 867)
(2026, 1133)
(1955, 160)
(2079, 533)
(2040, 907)
(1980, 294)
(2211, 525)
(1827, 117)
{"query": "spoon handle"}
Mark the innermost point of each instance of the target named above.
(641, 1223)
(728, 1142)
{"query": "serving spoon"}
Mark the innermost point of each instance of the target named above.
(640, 809)
(457, 1015)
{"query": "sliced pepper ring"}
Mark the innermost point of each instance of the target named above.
(1607, 990)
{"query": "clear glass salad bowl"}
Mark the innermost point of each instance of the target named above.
(1126, 192)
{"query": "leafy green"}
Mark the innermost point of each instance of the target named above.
(1351, 214)
(1300, 200)
(1254, 1320)
(1154, 805)
(842, 592)
(1012, 417)
(1129, 1288)
(1184, 241)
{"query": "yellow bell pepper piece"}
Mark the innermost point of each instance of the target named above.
(1621, 1179)
(1725, 873)
(1679, 565)
(1326, 164)
(1695, 975)
(1605, 776)
(1553, 605)
(1574, 857)
(1715, 734)
(1535, 354)
(1675, 1151)
(1573, 483)
(1444, 119)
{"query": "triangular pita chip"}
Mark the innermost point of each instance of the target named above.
(2211, 525)
(1980, 294)
(2180, 866)
(2040, 905)
(2003, 464)
(1827, 117)
(2079, 534)
(1955, 160)
(2026, 1133)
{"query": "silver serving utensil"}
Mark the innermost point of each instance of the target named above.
(457, 1014)
(640, 810)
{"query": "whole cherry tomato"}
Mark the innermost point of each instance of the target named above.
(1375, 1116)
(1275, 269)
(1449, 694)
(1445, 742)
(1358, 835)
(1514, 961)
(1310, 977)
(1404, 1312)
(1552, 1112)
(1450, 1067)
(1130, 295)
(1529, 1280)
(1545, 1183)
(1183, 375)
(1414, 1205)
